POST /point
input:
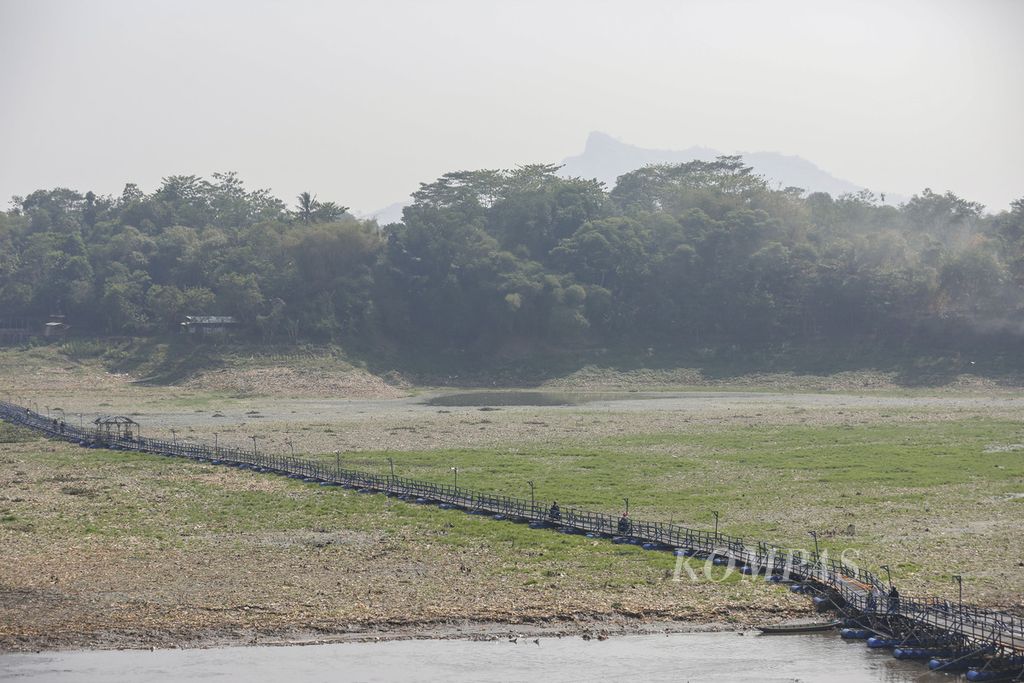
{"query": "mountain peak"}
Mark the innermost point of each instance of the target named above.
(606, 158)
(598, 141)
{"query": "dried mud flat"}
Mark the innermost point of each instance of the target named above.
(100, 553)
(325, 426)
(103, 555)
(351, 410)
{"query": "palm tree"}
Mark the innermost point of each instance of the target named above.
(307, 207)
(327, 212)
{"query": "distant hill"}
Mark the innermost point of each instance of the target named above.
(606, 158)
(392, 213)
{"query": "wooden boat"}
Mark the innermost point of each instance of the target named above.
(779, 629)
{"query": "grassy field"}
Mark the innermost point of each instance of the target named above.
(108, 549)
(930, 499)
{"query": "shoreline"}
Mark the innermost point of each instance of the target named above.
(587, 628)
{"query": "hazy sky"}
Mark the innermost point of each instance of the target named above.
(358, 102)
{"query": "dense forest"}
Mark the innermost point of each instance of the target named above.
(695, 255)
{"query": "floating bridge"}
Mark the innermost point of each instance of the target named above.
(988, 644)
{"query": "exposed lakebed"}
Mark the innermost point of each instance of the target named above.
(471, 399)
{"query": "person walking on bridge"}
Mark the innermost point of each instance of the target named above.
(555, 512)
(894, 600)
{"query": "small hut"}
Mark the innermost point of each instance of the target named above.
(116, 427)
(56, 327)
(213, 325)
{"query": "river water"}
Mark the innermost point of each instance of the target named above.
(675, 657)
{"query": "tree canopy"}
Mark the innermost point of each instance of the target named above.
(689, 255)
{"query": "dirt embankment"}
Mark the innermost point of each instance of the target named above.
(345, 382)
(592, 378)
(288, 381)
(47, 371)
